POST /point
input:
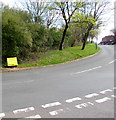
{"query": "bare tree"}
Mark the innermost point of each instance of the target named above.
(51, 16)
(36, 8)
(41, 11)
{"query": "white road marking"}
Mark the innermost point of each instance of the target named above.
(73, 99)
(34, 116)
(114, 88)
(29, 81)
(112, 61)
(113, 96)
(104, 91)
(103, 100)
(90, 103)
(23, 110)
(51, 104)
(81, 105)
(88, 70)
(91, 95)
(2, 115)
(56, 112)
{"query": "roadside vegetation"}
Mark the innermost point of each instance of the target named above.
(50, 33)
(56, 56)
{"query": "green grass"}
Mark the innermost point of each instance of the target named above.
(68, 54)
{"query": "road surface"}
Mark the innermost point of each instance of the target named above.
(79, 89)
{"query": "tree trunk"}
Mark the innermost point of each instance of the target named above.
(63, 36)
(96, 46)
(86, 36)
(84, 40)
(83, 47)
(73, 43)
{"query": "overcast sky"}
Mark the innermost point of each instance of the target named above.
(109, 22)
(108, 18)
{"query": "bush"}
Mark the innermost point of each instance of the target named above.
(54, 37)
(15, 36)
(38, 34)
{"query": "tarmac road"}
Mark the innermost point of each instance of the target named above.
(79, 89)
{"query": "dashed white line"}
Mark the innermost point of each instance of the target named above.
(73, 99)
(29, 81)
(103, 100)
(91, 95)
(2, 115)
(88, 70)
(90, 103)
(56, 112)
(104, 91)
(113, 96)
(51, 104)
(23, 110)
(34, 116)
(81, 105)
(112, 61)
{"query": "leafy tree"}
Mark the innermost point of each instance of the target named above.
(24, 15)
(89, 17)
(75, 36)
(38, 33)
(16, 39)
(54, 38)
(93, 34)
(67, 10)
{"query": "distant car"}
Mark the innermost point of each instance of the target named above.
(111, 42)
(101, 43)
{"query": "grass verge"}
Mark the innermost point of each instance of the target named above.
(56, 57)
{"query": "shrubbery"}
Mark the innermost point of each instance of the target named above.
(15, 36)
(21, 36)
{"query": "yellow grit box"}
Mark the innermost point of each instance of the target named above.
(12, 61)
